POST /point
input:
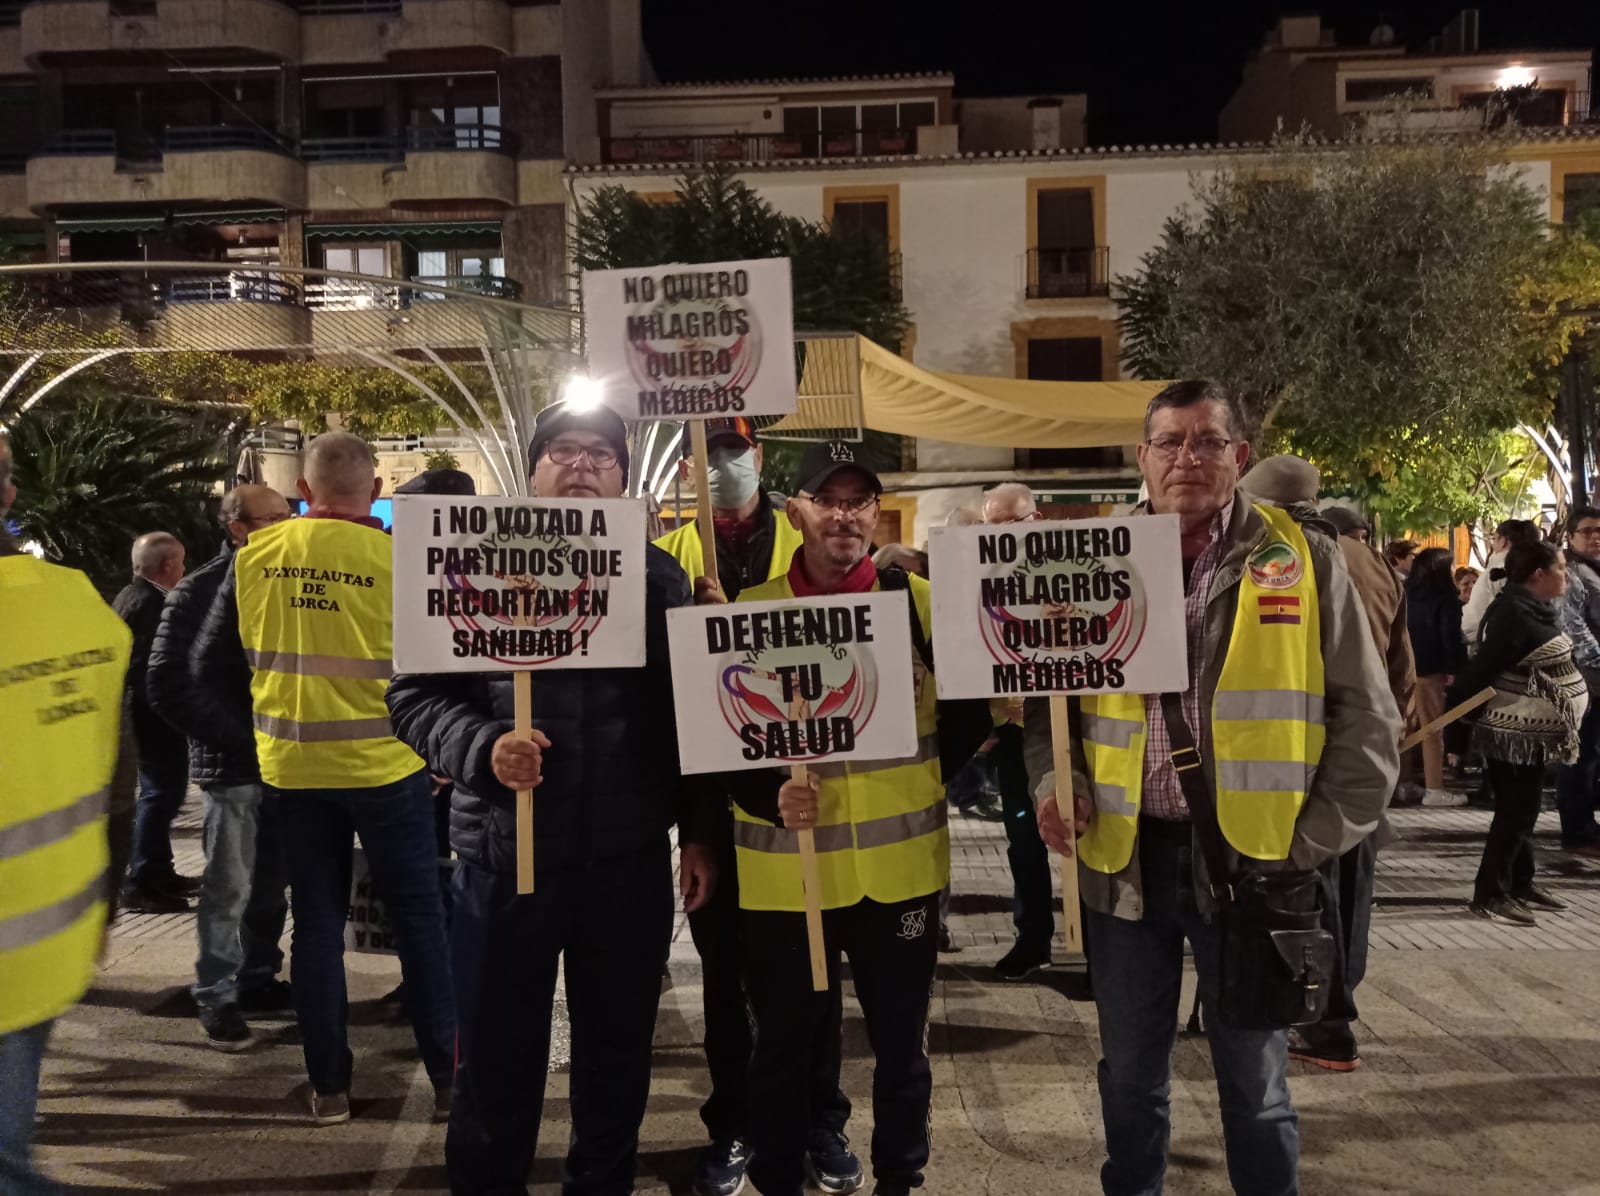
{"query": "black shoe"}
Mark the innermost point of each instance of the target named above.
(720, 1169)
(1332, 1048)
(1503, 909)
(139, 899)
(1023, 960)
(831, 1164)
(947, 945)
(1538, 898)
(984, 810)
(175, 886)
(225, 1028)
(275, 996)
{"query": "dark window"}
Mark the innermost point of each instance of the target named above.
(1367, 91)
(1066, 218)
(862, 218)
(1580, 195)
(1067, 359)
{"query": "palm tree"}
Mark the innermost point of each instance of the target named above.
(94, 474)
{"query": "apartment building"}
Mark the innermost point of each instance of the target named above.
(403, 139)
(1301, 78)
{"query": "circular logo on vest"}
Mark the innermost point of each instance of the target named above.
(1276, 566)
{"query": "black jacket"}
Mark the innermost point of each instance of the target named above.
(1433, 618)
(611, 782)
(140, 604)
(1516, 624)
(175, 664)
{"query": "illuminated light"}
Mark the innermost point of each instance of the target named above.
(582, 393)
(1515, 76)
(35, 548)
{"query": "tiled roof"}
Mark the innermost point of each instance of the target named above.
(1586, 132)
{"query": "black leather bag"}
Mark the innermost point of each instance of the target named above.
(1278, 962)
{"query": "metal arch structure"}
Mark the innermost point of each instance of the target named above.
(60, 319)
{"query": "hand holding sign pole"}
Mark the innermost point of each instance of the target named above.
(810, 875)
(1061, 747)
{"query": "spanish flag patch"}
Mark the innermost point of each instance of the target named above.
(1280, 608)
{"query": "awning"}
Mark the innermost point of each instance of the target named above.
(892, 395)
(113, 224)
(250, 216)
(431, 228)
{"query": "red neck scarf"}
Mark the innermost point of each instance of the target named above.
(860, 580)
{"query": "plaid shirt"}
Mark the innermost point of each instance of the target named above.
(1162, 795)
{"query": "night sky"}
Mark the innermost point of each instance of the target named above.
(1153, 71)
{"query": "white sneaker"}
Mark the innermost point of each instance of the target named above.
(1443, 798)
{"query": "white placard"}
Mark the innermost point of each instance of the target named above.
(738, 671)
(1077, 606)
(514, 584)
(692, 342)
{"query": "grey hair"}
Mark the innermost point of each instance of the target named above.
(339, 465)
(963, 517)
(152, 550)
(1017, 494)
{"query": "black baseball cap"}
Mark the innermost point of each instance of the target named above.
(440, 481)
(564, 417)
(826, 458)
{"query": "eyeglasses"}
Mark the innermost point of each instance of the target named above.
(1593, 530)
(1202, 448)
(564, 452)
(836, 505)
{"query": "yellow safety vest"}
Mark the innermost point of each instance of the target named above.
(683, 543)
(881, 827)
(63, 659)
(315, 614)
(1267, 727)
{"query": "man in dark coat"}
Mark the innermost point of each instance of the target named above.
(242, 906)
(153, 884)
(604, 757)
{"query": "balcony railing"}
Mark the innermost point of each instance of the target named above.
(1069, 273)
(184, 138)
(416, 139)
(336, 8)
(243, 286)
(87, 143)
(500, 288)
(762, 147)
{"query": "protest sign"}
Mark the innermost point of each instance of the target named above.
(1079, 606)
(739, 670)
(517, 585)
(491, 584)
(366, 929)
(692, 342)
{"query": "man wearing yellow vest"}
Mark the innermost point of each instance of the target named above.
(883, 850)
(754, 544)
(310, 601)
(63, 657)
(1296, 730)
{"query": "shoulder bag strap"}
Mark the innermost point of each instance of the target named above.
(896, 578)
(1185, 757)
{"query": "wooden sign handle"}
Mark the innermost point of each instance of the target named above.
(1445, 719)
(702, 495)
(810, 875)
(1061, 743)
(522, 690)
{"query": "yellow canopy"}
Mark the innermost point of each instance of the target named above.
(849, 381)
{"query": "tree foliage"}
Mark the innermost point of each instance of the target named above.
(94, 473)
(1374, 305)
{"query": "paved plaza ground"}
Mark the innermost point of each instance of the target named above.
(1482, 1049)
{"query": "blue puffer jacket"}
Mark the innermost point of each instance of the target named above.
(611, 781)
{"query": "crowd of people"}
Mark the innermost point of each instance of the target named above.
(1271, 773)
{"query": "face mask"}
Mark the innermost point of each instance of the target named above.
(732, 476)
